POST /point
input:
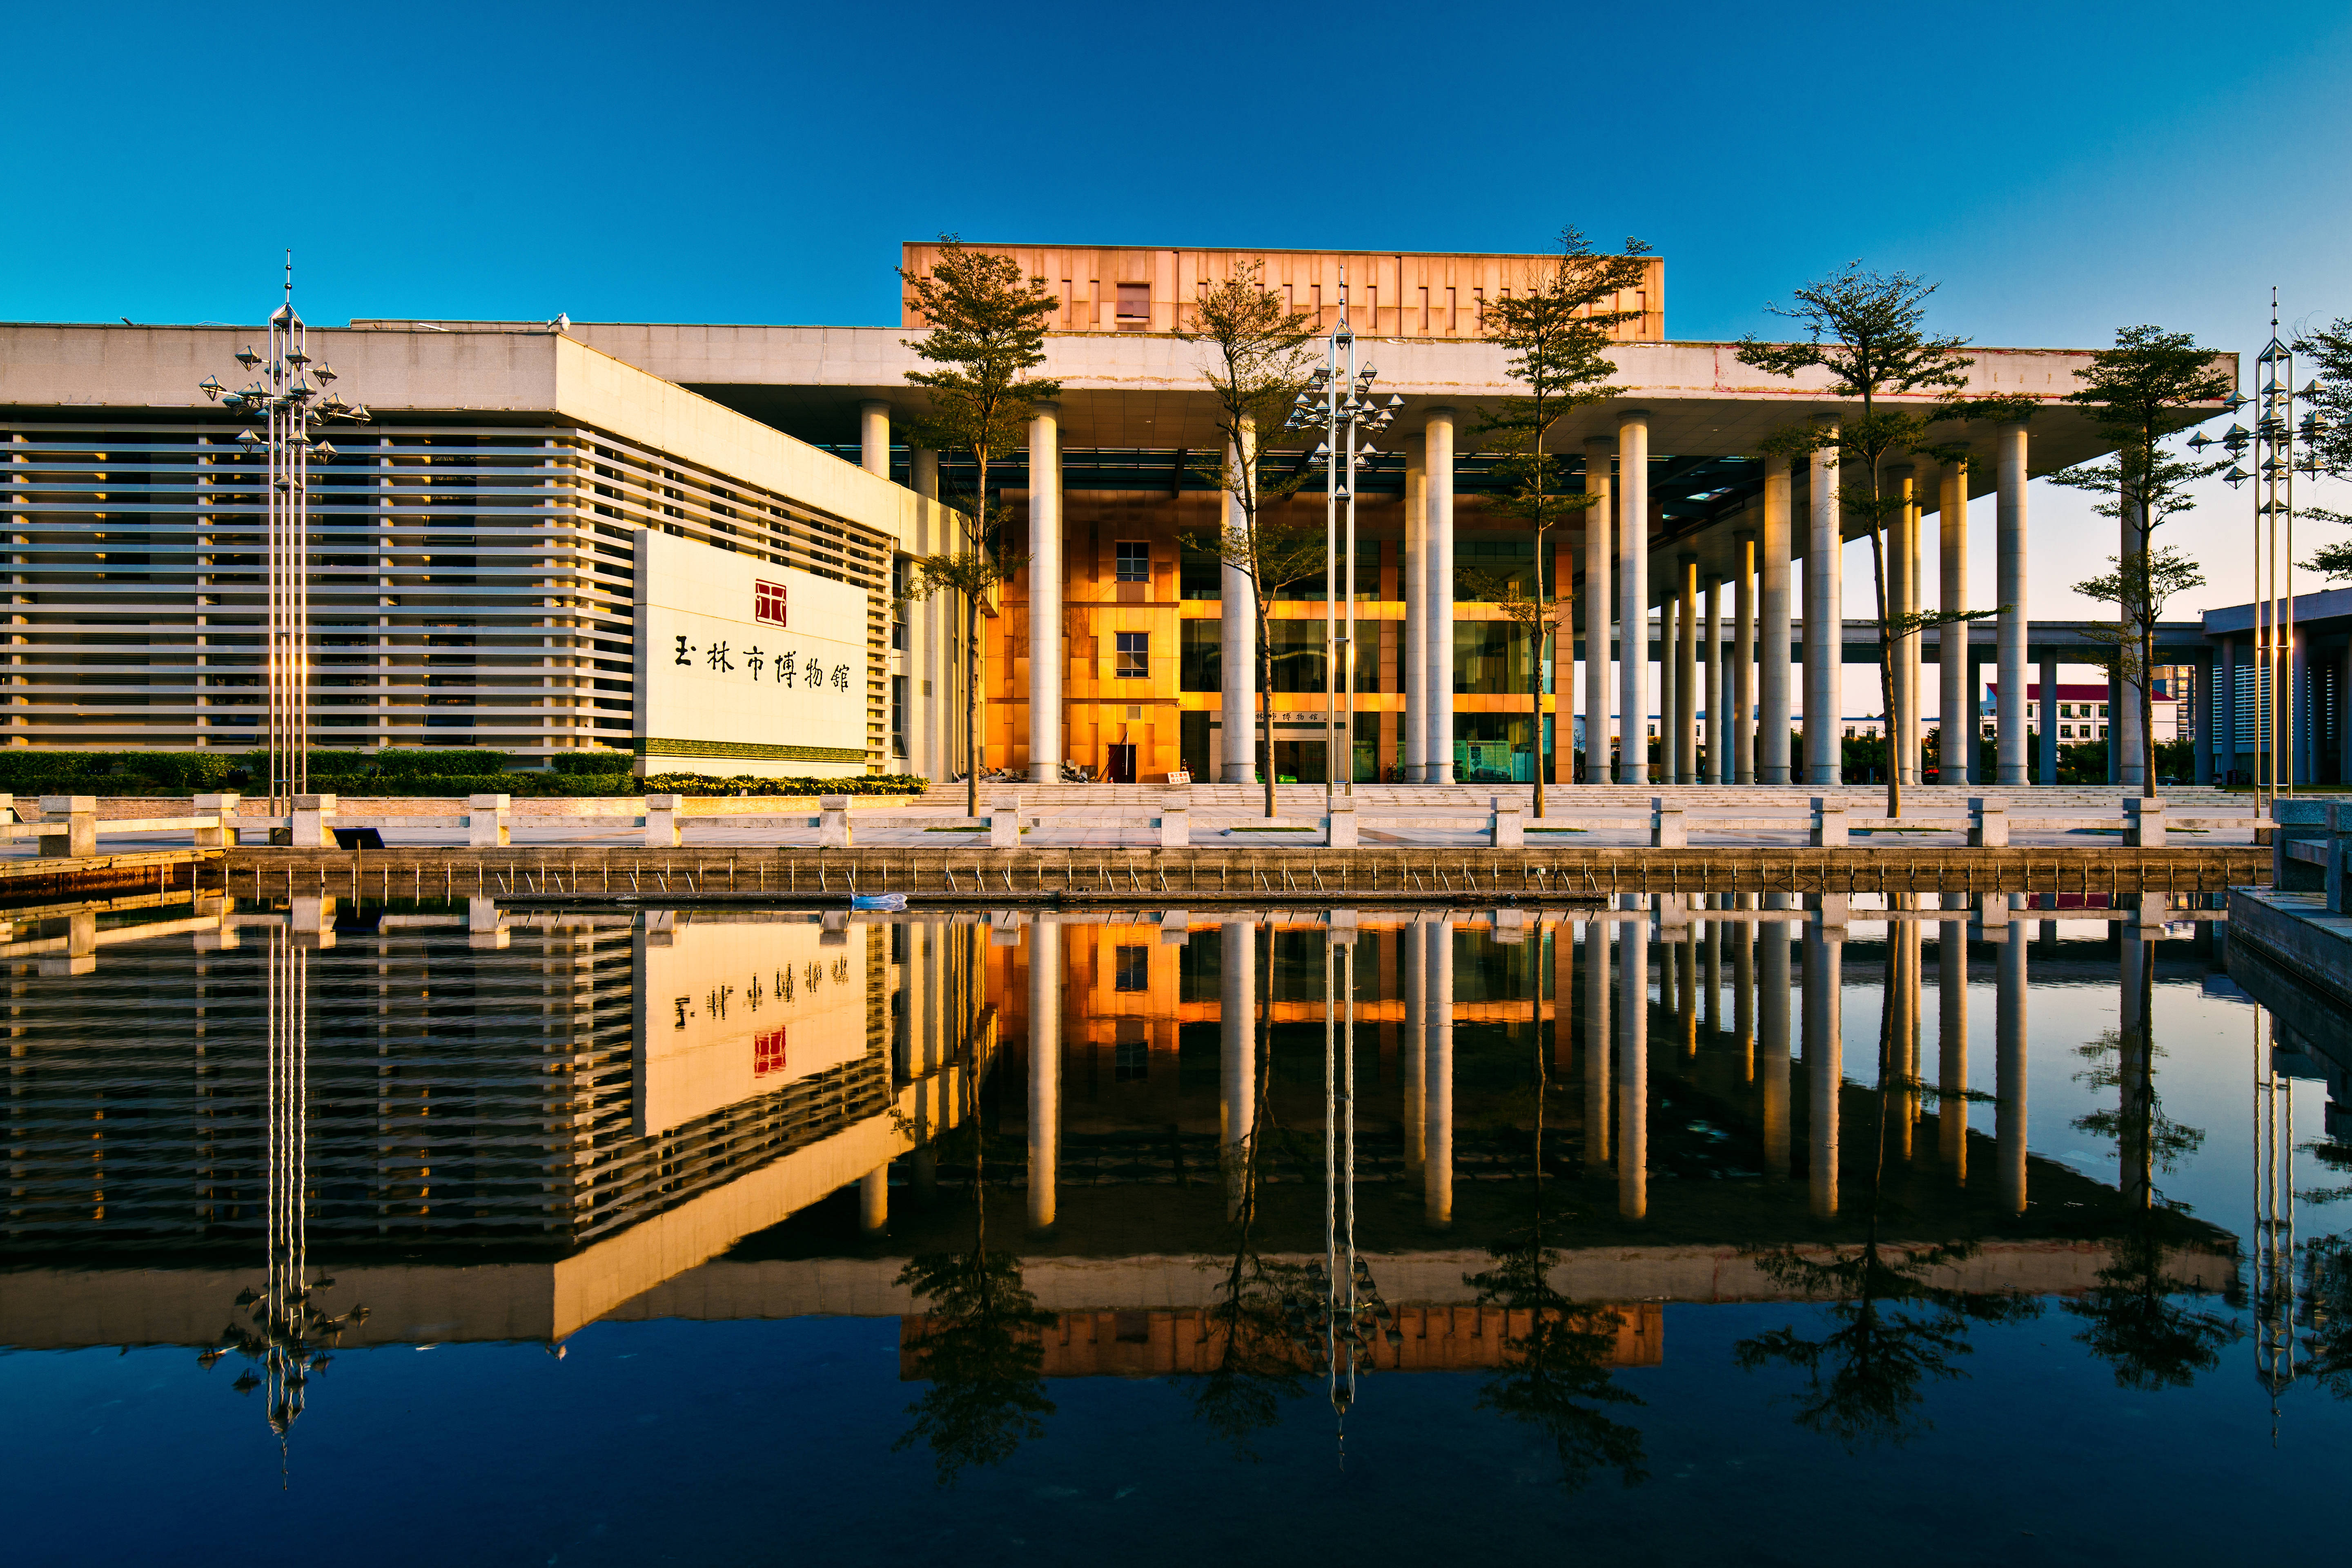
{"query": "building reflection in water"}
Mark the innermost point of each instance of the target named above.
(595, 1115)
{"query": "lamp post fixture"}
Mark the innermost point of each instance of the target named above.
(1339, 402)
(293, 395)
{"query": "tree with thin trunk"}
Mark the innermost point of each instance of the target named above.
(986, 333)
(1867, 330)
(2139, 391)
(2327, 434)
(1556, 332)
(1258, 364)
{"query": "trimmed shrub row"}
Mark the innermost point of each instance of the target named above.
(27, 771)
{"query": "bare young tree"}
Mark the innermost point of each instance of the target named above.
(987, 331)
(1557, 333)
(1258, 363)
(2139, 391)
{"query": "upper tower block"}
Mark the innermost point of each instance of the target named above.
(1390, 294)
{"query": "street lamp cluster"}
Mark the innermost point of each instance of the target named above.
(2270, 448)
(1337, 401)
(293, 397)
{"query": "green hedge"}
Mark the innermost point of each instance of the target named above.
(28, 770)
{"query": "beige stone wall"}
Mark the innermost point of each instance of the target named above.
(1402, 294)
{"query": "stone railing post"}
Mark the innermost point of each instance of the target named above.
(1508, 828)
(1988, 824)
(663, 813)
(833, 822)
(72, 825)
(2144, 824)
(1829, 824)
(313, 822)
(1004, 823)
(220, 835)
(1175, 822)
(1667, 829)
(486, 821)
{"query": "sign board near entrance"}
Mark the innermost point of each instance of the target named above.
(746, 667)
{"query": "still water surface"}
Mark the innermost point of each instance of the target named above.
(1674, 1234)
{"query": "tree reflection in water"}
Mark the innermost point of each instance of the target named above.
(1892, 1330)
(1558, 1373)
(2137, 1317)
(980, 1341)
(1252, 1364)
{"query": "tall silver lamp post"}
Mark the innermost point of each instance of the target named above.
(291, 394)
(1339, 402)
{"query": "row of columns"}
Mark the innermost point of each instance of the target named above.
(1682, 957)
(1747, 701)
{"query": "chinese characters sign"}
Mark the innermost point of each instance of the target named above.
(728, 681)
(728, 1008)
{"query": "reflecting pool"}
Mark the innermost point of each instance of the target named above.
(1691, 1229)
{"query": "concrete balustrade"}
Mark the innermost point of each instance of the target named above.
(312, 824)
(833, 822)
(1175, 823)
(1988, 824)
(1506, 826)
(1004, 823)
(1339, 825)
(2143, 823)
(220, 835)
(1829, 824)
(664, 815)
(71, 827)
(1668, 828)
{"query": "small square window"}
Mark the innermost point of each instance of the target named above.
(1131, 969)
(2103, 710)
(1134, 563)
(1134, 304)
(1134, 655)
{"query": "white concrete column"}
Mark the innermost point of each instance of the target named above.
(1439, 430)
(1743, 663)
(1237, 1051)
(1710, 648)
(1412, 651)
(1824, 622)
(1902, 599)
(1598, 1104)
(1824, 1058)
(1686, 694)
(1772, 616)
(874, 1202)
(1044, 1070)
(1634, 1065)
(2009, 590)
(2299, 711)
(1633, 594)
(1600, 556)
(929, 680)
(1670, 697)
(1237, 649)
(1437, 1173)
(874, 437)
(2225, 707)
(1958, 700)
(1045, 593)
(2048, 702)
(2009, 1084)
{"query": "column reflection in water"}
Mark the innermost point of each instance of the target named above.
(1597, 1043)
(1714, 970)
(1633, 1062)
(1824, 1070)
(1413, 1043)
(2136, 1156)
(1437, 1175)
(1237, 1051)
(1743, 986)
(2009, 1070)
(1952, 1044)
(1686, 984)
(1772, 1034)
(1044, 1069)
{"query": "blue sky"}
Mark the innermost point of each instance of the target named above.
(2063, 170)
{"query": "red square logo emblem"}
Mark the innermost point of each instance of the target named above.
(767, 1053)
(768, 603)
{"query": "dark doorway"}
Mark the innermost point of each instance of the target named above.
(1122, 764)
